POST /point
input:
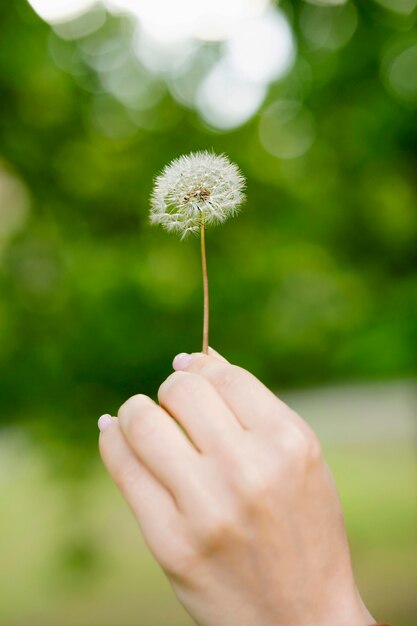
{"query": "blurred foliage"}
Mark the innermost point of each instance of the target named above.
(315, 281)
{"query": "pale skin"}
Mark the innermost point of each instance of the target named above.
(234, 500)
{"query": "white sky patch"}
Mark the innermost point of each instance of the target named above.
(165, 21)
(220, 17)
(56, 11)
(209, 20)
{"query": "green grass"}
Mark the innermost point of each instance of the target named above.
(378, 487)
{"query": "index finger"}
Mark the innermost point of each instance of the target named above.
(251, 401)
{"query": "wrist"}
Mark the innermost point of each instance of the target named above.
(349, 610)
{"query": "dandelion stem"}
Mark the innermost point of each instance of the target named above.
(205, 286)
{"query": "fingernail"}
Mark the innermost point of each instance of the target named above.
(182, 361)
(105, 421)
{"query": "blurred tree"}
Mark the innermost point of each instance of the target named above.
(315, 281)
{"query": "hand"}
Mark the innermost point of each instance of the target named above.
(237, 505)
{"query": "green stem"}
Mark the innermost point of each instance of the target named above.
(205, 287)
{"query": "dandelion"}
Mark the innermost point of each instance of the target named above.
(193, 192)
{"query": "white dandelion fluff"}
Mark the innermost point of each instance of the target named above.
(192, 192)
(196, 190)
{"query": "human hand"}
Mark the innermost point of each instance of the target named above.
(239, 507)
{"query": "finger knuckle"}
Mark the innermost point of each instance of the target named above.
(142, 426)
(226, 378)
(136, 417)
(176, 386)
(133, 405)
(179, 561)
(314, 451)
(302, 445)
(216, 531)
(258, 484)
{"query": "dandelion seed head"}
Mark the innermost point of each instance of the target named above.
(196, 188)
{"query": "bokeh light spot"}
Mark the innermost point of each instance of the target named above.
(227, 85)
(404, 7)
(225, 101)
(286, 129)
(327, 2)
(219, 19)
(162, 56)
(262, 49)
(56, 11)
(328, 27)
(132, 86)
(400, 73)
(212, 20)
(14, 205)
(82, 25)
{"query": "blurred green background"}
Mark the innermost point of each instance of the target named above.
(314, 284)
